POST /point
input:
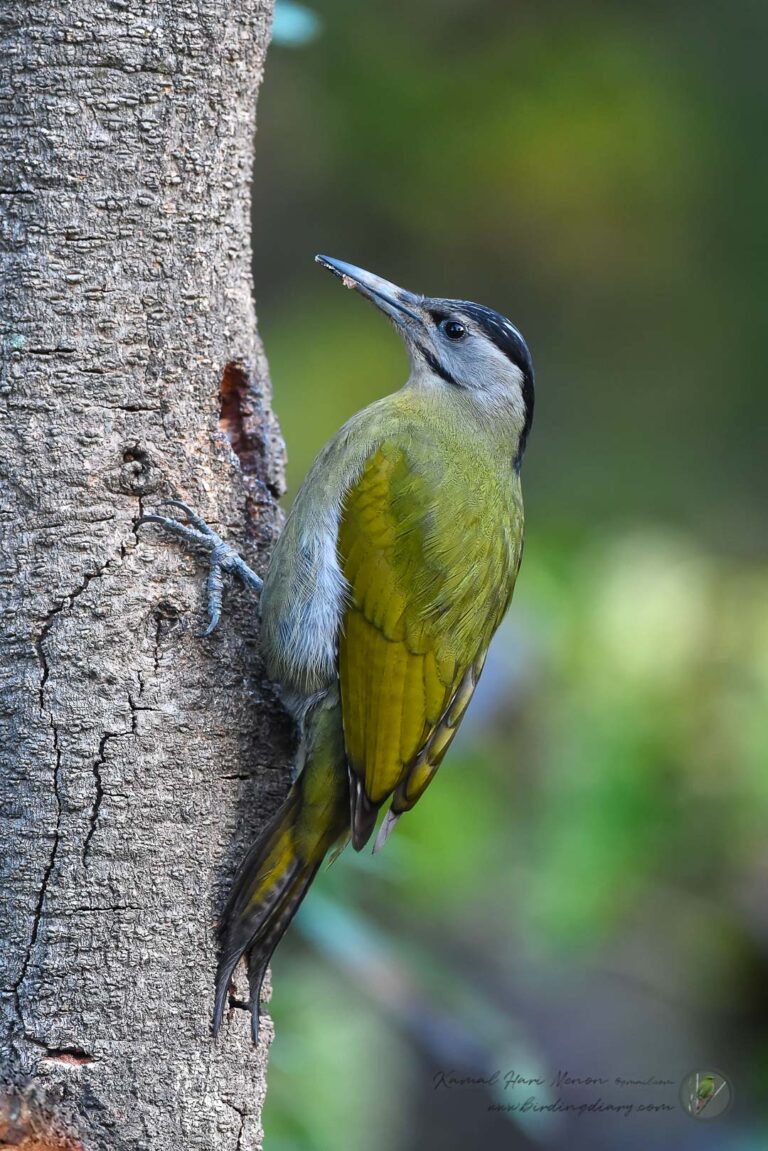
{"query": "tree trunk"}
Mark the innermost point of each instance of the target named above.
(137, 759)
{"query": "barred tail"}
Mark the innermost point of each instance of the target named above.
(278, 870)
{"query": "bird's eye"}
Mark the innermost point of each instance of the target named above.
(453, 329)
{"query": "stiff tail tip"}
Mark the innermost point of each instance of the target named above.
(363, 813)
(262, 926)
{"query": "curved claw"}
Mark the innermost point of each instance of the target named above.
(176, 528)
(215, 617)
(196, 520)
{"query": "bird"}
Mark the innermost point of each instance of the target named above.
(704, 1092)
(395, 567)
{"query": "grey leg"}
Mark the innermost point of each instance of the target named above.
(222, 557)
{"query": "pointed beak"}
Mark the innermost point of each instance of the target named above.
(395, 302)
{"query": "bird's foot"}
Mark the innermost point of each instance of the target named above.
(222, 557)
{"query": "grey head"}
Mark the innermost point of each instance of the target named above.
(456, 344)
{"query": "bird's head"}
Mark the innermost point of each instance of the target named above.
(459, 345)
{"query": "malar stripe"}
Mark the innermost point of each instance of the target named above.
(437, 367)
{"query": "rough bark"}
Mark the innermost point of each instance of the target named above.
(136, 758)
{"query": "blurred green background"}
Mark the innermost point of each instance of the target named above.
(584, 888)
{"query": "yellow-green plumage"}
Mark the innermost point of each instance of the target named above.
(394, 569)
(429, 544)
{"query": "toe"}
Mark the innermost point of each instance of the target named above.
(193, 517)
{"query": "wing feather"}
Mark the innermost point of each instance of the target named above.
(428, 585)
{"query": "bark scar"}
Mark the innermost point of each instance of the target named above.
(74, 1056)
(242, 421)
(24, 1125)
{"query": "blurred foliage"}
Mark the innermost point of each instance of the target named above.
(584, 885)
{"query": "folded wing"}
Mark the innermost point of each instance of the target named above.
(430, 571)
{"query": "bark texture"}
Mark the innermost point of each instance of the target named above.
(136, 758)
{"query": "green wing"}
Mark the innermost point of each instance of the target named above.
(431, 572)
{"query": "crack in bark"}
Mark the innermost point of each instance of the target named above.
(163, 613)
(136, 524)
(156, 646)
(98, 763)
(99, 909)
(136, 708)
(241, 1111)
(133, 408)
(100, 760)
(38, 915)
(39, 642)
(66, 604)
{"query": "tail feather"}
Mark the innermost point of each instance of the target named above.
(262, 884)
(363, 813)
(259, 863)
(226, 969)
(274, 917)
(387, 827)
(278, 870)
(272, 932)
